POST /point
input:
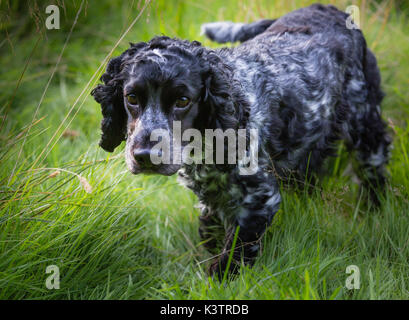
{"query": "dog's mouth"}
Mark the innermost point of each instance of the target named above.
(166, 170)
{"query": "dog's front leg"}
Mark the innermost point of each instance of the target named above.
(210, 226)
(260, 202)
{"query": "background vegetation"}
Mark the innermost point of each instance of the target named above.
(65, 202)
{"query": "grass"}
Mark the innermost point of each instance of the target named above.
(65, 202)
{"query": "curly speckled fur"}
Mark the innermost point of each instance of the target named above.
(304, 81)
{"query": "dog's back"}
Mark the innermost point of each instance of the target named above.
(313, 19)
(308, 77)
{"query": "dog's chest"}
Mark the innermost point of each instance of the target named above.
(214, 188)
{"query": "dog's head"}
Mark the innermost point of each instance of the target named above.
(151, 85)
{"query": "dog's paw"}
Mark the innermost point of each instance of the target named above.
(219, 267)
(371, 197)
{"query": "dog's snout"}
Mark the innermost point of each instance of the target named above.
(143, 157)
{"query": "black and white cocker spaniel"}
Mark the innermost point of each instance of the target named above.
(303, 82)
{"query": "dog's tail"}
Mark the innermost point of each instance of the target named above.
(227, 31)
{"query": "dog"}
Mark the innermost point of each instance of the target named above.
(303, 81)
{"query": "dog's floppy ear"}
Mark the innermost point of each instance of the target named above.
(218, 96)
(110, 96)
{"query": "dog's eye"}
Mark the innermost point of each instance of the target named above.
(182, 102)
(132, 99)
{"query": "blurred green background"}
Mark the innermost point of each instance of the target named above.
(65, 202)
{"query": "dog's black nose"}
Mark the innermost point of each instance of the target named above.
(143, 157)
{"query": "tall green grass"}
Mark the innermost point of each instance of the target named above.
(65, 202)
